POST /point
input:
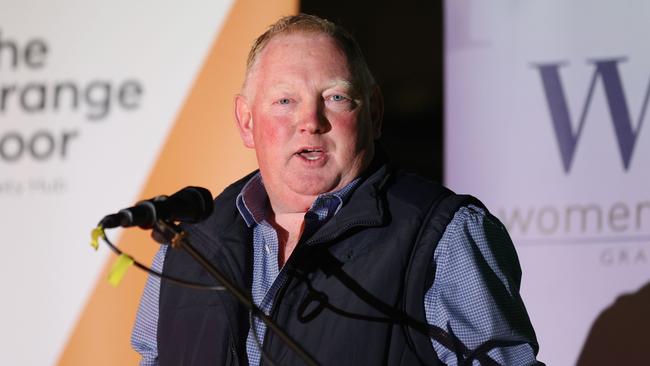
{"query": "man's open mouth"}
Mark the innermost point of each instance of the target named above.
(311, 153)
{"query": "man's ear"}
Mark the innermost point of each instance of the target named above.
(376, 111)
(244, 119)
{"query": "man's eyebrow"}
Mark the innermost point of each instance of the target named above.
(350, 87)
(341, 82)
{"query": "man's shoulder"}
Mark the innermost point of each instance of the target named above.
(413, 190)
(404, 181)
(416, 192)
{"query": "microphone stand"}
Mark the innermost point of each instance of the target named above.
(180, 240)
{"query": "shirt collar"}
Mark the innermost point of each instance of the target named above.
(254, 206)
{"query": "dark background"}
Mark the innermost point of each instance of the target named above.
(403, 45)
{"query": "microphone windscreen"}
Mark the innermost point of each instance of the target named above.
(190, 204)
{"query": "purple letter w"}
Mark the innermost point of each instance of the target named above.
(567, 140)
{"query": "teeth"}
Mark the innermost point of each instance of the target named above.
(311, 154)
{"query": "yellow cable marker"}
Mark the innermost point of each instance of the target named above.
(119, 268)
(97, 233)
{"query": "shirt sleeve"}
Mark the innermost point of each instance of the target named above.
(475, 294)
(144, 334)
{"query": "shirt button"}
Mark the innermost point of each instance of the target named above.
(268, 250)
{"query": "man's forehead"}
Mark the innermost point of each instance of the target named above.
(334, 83)
(287, 48)
(291, 42)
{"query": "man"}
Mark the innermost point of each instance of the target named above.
(359, 263)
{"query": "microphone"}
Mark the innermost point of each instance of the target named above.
(190, 204)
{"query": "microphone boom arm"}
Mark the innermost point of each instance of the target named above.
(179, 240)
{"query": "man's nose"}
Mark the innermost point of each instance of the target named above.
(312, 120)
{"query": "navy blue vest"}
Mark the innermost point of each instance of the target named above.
(356, 288)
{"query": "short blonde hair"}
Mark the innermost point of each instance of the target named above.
(312, 24)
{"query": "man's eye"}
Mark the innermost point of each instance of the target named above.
(338, 98)
(284, 101)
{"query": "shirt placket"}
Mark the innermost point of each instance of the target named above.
(268, 278)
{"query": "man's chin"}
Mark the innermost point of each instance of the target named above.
(313, 186)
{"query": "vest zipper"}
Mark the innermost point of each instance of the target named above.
(283, 289)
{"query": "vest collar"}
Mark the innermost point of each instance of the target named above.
(365, 208)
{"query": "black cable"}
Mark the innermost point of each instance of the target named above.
(195, 286)
(323, 259)
(479, 353)
(192, 285)
(253, 328)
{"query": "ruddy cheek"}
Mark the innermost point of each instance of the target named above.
(284, 127)
(269, 135)
(268, 129)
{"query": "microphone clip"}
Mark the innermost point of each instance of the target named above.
(168, 233)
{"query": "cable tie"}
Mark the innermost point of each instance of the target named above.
(97, 233)
(119, 268)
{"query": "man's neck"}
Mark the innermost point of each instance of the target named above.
(282, 204)
(289, 227)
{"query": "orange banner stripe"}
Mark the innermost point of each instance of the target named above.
(202, 149)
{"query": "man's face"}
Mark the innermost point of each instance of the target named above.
(309, 124)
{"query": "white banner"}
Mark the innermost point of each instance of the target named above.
(545, 110)
(88, 93)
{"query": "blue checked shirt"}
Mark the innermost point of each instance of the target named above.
(459, 300)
